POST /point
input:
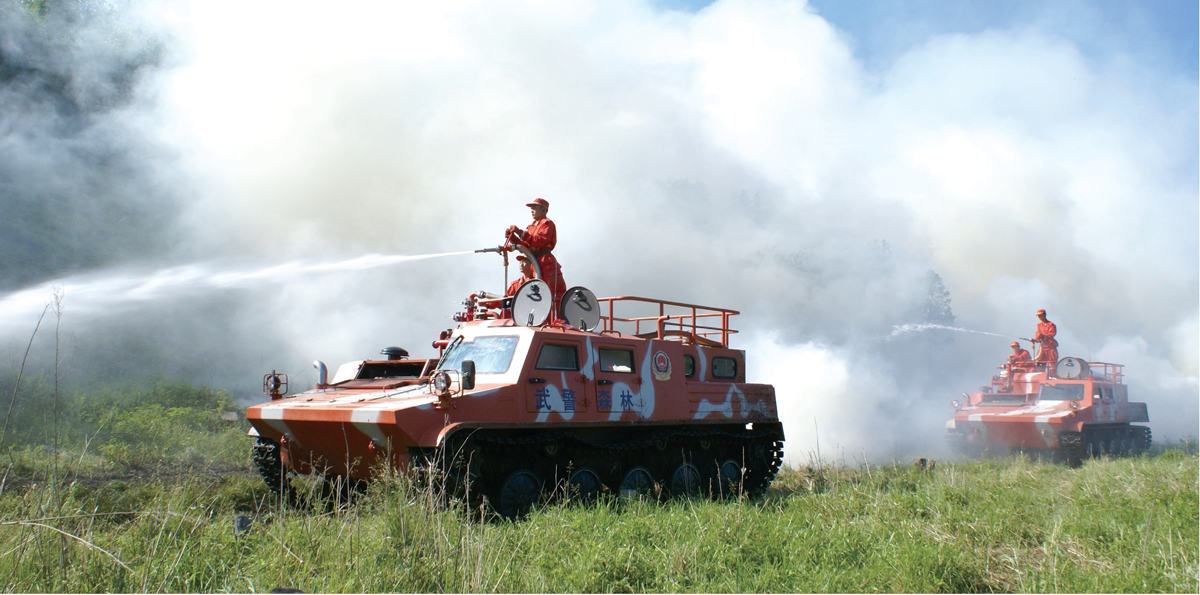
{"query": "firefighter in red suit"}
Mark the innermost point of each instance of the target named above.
(1018, 361)
(541, 237)
(1018, 355)
(526, 275)
(1048, 352)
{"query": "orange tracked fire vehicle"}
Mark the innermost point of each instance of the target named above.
(1070, 411)
(634, 395)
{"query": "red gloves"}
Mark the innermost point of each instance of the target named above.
(513, 235)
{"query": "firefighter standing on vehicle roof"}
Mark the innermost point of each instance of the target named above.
(541, 237)
(1048, 347)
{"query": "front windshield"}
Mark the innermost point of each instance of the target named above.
(1061, 392)
(492, 355)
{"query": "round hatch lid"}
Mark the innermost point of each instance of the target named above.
(531, 303)
(580, 308)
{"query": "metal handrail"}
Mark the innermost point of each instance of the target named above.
(684, 321)
(1111, 372)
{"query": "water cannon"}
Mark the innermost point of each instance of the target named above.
(504, 249)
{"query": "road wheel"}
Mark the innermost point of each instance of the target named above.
(584, 484)
(637, 482)
(685, 481)
(729, 479)
(520, 492)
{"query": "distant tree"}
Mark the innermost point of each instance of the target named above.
(937, 301)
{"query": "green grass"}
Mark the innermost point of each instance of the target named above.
(158, 429)
(1003, 525)
(142, 492)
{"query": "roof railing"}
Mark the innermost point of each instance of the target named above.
(703, 325)
(1108, 372)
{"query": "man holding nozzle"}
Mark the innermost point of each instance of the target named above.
(1018, 355)
(1018, 361)
(540, 238)
(1048, 350)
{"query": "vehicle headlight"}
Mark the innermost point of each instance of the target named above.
(441, 383)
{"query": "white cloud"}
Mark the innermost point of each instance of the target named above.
(740, 156)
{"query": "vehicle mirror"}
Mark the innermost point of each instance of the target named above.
(468, 374)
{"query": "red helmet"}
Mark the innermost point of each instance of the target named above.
(539, 202)
(1041, 312)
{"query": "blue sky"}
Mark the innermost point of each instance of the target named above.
(1164, 32)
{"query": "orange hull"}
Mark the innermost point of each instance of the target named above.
(351, 427)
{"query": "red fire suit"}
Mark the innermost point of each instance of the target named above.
(511, 291)
(1019, 356)
(1048, 353)
(541, 237)
(514, 286)
(1019, 361)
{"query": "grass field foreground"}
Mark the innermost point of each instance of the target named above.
(1117, 525)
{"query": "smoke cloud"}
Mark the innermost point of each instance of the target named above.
(78, 187)
(740, 156)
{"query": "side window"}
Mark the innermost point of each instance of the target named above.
(689, 366)
(1107, 393)
(616, 360)
(558, 357)
(724, 367)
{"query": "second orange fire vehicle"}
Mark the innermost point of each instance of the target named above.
(1070, 410)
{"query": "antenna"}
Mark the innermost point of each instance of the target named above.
(531, 304)
(580, 308)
